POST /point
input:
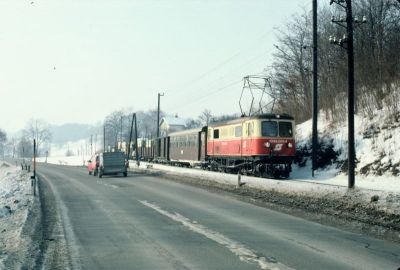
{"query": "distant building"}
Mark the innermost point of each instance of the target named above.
(170, 124)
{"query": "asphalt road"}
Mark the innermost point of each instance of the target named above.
(146, 222)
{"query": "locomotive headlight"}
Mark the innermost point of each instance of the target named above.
(267, 144)
(289, 145)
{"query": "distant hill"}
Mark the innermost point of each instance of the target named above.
(73, 132)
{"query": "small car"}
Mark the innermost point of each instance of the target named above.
(93, 165)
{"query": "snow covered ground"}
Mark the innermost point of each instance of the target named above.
(334, 188)
(63, 160)
(376, 140)
(15, 203)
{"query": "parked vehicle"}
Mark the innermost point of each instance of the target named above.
(93, 165)
(111, 163)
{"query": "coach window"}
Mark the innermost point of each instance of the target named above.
(216, 133)
(269, 129)
(238, 131)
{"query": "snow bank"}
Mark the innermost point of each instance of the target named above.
(62, 160)
(376, 141)
(300, 180)
(324, 185)
(15, 202)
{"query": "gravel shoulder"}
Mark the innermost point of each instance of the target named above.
(371, 212)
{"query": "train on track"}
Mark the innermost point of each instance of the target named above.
(261, 145)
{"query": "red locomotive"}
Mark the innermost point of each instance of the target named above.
(259, 145)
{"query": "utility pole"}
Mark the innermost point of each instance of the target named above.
(347, 43)
(350, 116)
(158, 114)
(130, 136)
(315, 90)
(134, 121)
(158, 125)
(121, 134)
(34, 158)
(34, 168)
(104, 137)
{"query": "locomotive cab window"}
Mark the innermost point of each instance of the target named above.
(285, 129)
(269, 129)
(216, 133)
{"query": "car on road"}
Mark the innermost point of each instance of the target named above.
(112, 163)
(93, 165)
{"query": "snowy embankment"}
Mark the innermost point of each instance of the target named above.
(16, 201)
(376, 143)
(376, 210)
(62, 160)
(334, 186)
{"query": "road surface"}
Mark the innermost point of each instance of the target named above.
(146, 222)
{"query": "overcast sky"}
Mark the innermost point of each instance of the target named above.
(76, 61)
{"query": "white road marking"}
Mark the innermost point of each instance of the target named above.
(245, 254)
(105, 184)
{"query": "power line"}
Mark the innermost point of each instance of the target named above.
(198, 99)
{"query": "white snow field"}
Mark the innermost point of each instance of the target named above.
(63, 160)
(16, 200)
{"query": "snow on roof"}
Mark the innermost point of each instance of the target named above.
(175, 121)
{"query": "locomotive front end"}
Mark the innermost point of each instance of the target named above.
(275, 145)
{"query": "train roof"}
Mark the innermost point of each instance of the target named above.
(186, 132)
(283, 116)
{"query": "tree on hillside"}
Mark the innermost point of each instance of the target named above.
(3, 140)
(37, 129)
(376, 55)
(292, 66)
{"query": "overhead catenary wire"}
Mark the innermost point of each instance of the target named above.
(208, 94)
(227, 60)
(184, 86)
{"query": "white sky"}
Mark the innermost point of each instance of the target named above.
(76, 60)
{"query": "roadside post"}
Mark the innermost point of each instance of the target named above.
(33, 177)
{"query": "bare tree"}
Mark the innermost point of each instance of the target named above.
(205, 117)
(223, 117)
(25, 147)
(292, 66)
(191, 123)
(37, 129)
(377, 62)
